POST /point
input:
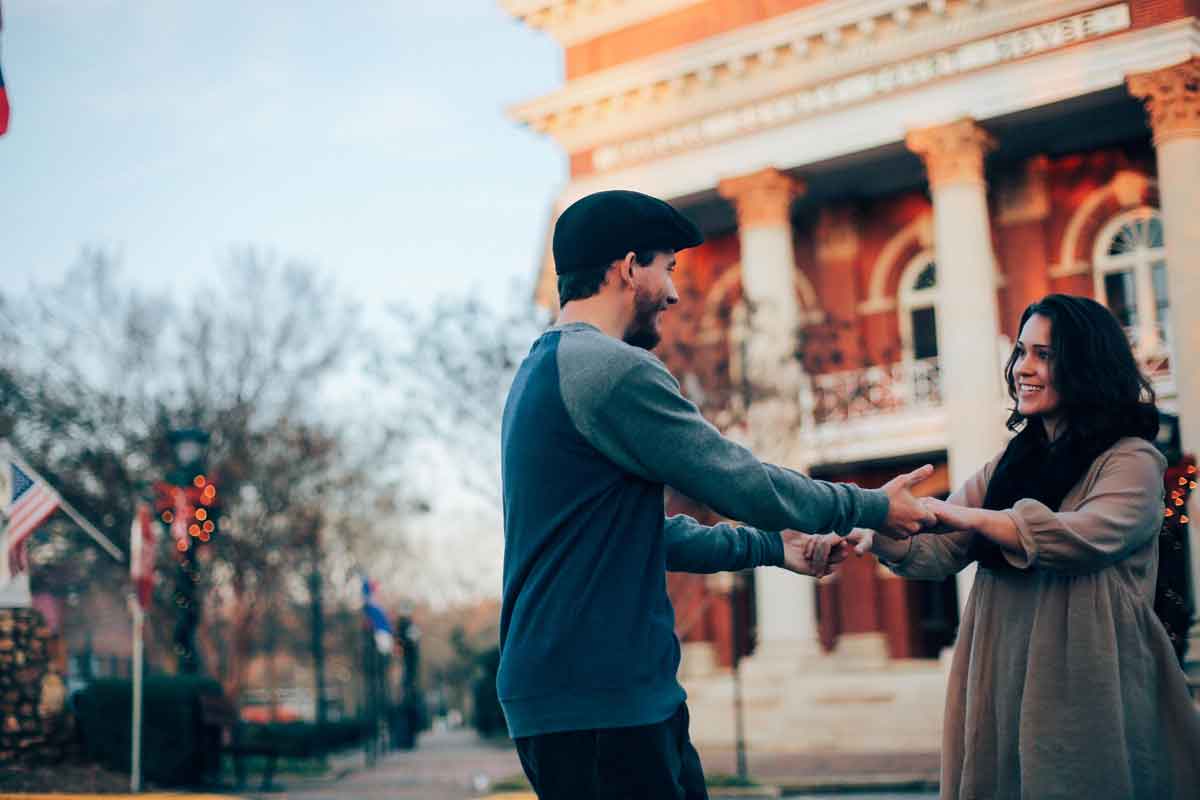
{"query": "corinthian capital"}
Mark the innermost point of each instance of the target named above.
(1172, 98)
(953, 153)
(762, 198)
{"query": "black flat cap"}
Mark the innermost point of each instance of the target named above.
(598, 229)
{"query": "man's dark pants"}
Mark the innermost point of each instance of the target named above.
(646, 762)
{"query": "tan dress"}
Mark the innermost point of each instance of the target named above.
(1064, 683)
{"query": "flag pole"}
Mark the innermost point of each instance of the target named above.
(67, 508)
(139, 618)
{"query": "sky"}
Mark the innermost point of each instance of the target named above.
(368, 139)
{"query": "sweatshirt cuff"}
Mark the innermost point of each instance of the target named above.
(872, 510)
(772, 549)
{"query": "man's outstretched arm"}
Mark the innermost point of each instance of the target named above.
(637, 417)
(704, 549)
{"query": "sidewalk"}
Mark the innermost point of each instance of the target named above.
(830, 772)
(450, 765)
(457, 765)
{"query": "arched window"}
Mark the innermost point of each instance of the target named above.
(918, 307)
(1129, 266)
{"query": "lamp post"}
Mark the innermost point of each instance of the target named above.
(192, 495)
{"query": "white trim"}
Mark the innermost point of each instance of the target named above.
(1068, 264)
(920, 230)
(710, 53)
(727, 81)
(1139, 263)
(573, 22)
(998, 91)
(909, 299)
(810, 312)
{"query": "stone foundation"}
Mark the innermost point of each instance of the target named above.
(33, 725)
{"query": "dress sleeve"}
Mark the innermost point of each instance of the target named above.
(1121, 513)
(934, 556)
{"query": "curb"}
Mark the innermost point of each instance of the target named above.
(140, 796)
(844, 784)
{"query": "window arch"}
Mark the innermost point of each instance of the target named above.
(918, 299)
(1129, 270)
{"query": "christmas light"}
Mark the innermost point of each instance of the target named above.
(201, 514)
(199, 481)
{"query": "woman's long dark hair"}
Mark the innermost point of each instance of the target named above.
(1102, 393)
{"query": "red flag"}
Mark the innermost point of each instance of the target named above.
(143, 540)
(3, 96)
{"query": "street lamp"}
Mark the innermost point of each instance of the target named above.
(192, 495)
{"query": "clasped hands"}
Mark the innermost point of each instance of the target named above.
(818, 555)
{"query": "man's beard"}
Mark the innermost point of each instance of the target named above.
(642, 332)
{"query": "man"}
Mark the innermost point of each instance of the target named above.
(593, 429)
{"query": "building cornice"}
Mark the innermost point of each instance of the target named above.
(1005, 89)
(769, 58)
(574, 21)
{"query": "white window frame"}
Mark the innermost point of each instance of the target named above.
(1145, 338)
(910, 299)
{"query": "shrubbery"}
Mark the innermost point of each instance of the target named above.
(177, 748)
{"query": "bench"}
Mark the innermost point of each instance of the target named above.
(218, 714)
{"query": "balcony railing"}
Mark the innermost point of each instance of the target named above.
(889, 389)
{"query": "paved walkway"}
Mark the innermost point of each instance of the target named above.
(456, 765)
(450, 765)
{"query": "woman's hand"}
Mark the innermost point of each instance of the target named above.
(996, 526)
(807, 554)
(951, 517)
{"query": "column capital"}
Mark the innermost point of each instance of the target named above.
(762, 198)
(953, 153)
(1172, 99)
(837, 235)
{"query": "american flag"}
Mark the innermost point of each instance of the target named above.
(26, 502)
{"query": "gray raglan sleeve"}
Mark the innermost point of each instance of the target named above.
(692, 547)
(636, 415)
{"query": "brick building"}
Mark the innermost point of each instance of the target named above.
(883, 186)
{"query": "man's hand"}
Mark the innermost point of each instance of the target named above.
(867, 541)
(806, 554)
(906, 514)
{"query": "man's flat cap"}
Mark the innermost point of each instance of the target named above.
(598, 229)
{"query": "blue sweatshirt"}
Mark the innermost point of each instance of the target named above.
(592, 431)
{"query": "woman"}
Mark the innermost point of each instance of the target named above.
(1063, 683)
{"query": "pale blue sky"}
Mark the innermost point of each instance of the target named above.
(368, 138)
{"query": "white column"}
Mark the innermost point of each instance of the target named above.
(768, 262)
(1172, 98)
(968, 321)
(787, 622)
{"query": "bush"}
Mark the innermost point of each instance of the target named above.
(489, 717)
(177, 750)
(304, 739)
